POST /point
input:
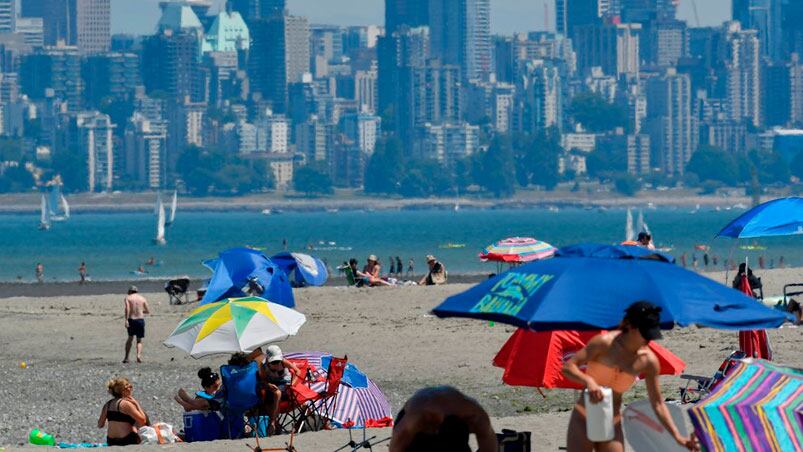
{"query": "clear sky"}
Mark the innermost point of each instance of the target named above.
(140, 16)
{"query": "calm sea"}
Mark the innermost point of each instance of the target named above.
(114, 245)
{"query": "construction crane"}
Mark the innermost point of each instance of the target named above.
(696, 16)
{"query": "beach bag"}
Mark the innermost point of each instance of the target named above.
(158, 433)
(513, 441)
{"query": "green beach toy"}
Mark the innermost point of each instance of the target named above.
(40, 438)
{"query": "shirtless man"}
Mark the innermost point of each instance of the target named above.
(136, 306)
(441, 418)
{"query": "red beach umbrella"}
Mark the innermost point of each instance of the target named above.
(754, 343)
(535, 358)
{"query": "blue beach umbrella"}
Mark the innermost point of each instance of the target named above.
(306, 270)
(237, 268)
(782, 216)
(590, 286)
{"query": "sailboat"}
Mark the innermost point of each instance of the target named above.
(57, 204)
(641, 226)
(160, 222)
(44, 220)
(173, 206)
(630, 236)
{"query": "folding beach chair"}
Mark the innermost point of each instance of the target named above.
(351, 278)
(295, 413)
(177, 290)
(240, 386)
(326, 406)
(704, 385)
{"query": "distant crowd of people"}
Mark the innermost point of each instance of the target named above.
(371, 273)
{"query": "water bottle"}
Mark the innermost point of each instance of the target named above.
(40, 438)
(599, 417)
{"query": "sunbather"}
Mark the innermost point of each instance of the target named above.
(441, 418)
(209, 399)
(615, 359)
(123, 414)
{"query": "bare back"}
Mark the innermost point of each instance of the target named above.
(136, 306)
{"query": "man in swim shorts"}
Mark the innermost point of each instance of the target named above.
(136, 306)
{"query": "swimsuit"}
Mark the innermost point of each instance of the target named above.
(610, 376)
(118, 416)
(136, 327)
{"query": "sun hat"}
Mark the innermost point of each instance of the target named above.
(274, 354)
(373, 258)
(430, 258)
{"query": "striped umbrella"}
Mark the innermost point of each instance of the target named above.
(516, 250)
(759, 406)
(234, 325)
(355, 406)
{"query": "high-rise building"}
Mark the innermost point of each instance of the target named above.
(796, 91)
(476, 49)
(111, 76)
(638, 154)
(627, 50)
(94, 134)
(744, 74)
(365, 89)
(32, 31)
(397, 55)
(672, 125)
(85, 24)
(146, 151)
(460, 34)
(280, 55)
(8, 15)
(401, 13)
(171, 63)
(228, 33)
(53, 73)
(613, 47)
(776, 96)
(570, 14)
(669, 41)
(362, 129)
(764, 16)
(541, 103)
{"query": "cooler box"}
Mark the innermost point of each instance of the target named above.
(202, 426)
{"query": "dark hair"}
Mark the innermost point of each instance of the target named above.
(353, 261)
(207, 376)
(646, 317)
(238, 359)
(644, 235)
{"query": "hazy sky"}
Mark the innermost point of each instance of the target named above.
(140, 16)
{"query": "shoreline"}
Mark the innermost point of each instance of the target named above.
(28, 203)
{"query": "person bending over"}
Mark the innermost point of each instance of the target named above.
(441, 419)
(614, 360)
(123, 414)
(207, 400)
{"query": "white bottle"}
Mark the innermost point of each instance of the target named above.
(599, 417)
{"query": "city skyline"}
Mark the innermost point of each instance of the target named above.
(507, 16)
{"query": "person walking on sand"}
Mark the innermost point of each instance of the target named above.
(399, 267)
(82, 272)
(40, 272)
(136, 306)
(410, 268)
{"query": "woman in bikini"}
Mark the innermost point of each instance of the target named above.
(210, 399)
(123, 414)
(614, 360)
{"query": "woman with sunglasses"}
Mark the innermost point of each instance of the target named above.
(614, 360)
(207, 400)
(123, 414)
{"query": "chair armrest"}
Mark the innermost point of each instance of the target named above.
(697, 378)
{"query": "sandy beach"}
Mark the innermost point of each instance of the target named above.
(73, 343)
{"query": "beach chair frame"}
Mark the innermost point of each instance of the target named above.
(327, 404)
(704, 385)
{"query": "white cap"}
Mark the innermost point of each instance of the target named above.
(274, 354)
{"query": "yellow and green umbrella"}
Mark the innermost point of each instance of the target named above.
(234, 325)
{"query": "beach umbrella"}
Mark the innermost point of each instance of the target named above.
(782, 216)
(238, 272)
(754, 343)
(309, 270)
(758, 406)
(360, 402)
(536, 359)
(234, 325)
(516, 250)
(588, 287)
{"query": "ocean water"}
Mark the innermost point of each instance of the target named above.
(114, 245)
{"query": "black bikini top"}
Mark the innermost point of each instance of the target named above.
(116, 415)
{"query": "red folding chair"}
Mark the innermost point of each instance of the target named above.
(327, 404)
(294, 407)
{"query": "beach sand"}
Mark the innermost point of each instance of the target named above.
(73, 344)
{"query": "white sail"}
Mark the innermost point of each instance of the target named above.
(173, 206)
(65, 207)
(44, 219)
(629, 234)
(160, 223)
(641, 225)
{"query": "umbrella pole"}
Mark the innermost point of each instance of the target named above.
(728, 263)
(541, 392)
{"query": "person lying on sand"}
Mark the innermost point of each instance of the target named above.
(207, 400)
(439, 419)
(614, 360)
(123, 414)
